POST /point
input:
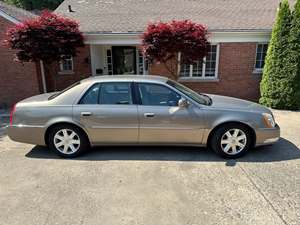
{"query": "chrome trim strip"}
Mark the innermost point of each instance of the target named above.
(25, 126)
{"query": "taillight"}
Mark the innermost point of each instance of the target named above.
(12, 115)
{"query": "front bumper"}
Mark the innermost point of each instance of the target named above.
(267, 136)
(27, 134)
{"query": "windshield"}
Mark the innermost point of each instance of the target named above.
(199, 98)
(60, 92)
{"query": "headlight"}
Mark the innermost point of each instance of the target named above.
(269, 120)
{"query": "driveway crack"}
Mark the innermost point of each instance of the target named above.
(262, 194)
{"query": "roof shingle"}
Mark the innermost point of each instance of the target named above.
(123, 16)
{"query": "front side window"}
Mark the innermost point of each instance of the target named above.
(261, 52)
(158, 95)
(66, 64)
(205, 68)
(115, 93)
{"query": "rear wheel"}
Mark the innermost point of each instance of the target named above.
(67, 141)
(231, 141)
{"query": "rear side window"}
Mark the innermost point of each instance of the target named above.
(112, 93)
(91, 96)
(115, 93)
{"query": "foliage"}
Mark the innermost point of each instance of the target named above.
(49, 38)
(277, 83)
(161, 42)
(294, 58)
(35, 4)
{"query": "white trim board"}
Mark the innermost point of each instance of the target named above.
(8, 17)
(215, 37)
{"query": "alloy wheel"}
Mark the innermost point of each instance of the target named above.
(233, 141)
(66, 141)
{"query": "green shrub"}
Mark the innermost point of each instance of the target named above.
(294, 57)
(275, 81)
(35, 4)
(280, 85)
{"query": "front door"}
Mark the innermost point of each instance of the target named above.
(108, 114)
(162, 121)
(124, 60)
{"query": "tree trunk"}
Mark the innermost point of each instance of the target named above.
(173, 67)
(51, 75)
(43, 76)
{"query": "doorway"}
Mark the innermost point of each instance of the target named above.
(124, 60)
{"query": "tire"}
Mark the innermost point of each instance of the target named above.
(68, 141)
(231, 141)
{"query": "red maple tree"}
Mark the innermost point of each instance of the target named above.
(162, 42)
(47, 38)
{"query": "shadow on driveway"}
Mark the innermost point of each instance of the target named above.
(281, 151)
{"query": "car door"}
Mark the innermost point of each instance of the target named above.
(108, 114)
(162, 121)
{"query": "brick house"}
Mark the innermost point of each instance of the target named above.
(17, 81)
(239, 34)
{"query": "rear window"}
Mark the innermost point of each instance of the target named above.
(61, 92)
(91, 96)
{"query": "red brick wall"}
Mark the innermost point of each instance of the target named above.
(17, 81)
(82, 69)
(235, 76)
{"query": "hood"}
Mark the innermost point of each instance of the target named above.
(37, 98)
(229, 103)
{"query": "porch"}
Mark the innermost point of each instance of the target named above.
(117, 60)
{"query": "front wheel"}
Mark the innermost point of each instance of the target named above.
(231, 141)
(67, 141)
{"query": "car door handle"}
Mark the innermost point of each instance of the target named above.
(86, 113)
(149, 114)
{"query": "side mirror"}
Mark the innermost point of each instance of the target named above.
(183, 103)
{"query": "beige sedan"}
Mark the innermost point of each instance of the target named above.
(144, 110)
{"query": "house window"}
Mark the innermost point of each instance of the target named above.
(206, 68)
(66, 64)
(261, 52)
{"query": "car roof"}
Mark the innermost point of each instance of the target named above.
(130, 78)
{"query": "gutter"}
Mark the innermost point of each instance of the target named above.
(245, 31)
(9, 17)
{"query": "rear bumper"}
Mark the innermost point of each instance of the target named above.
(27, 134)
(267, 136)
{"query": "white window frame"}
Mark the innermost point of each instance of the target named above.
(202, 77)
(61, 66)
(258, 70)
(138, 55)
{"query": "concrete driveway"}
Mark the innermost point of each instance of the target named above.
(153, 186)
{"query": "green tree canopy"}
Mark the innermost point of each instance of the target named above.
(35, 4)
(277, 88)
(294, 57)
